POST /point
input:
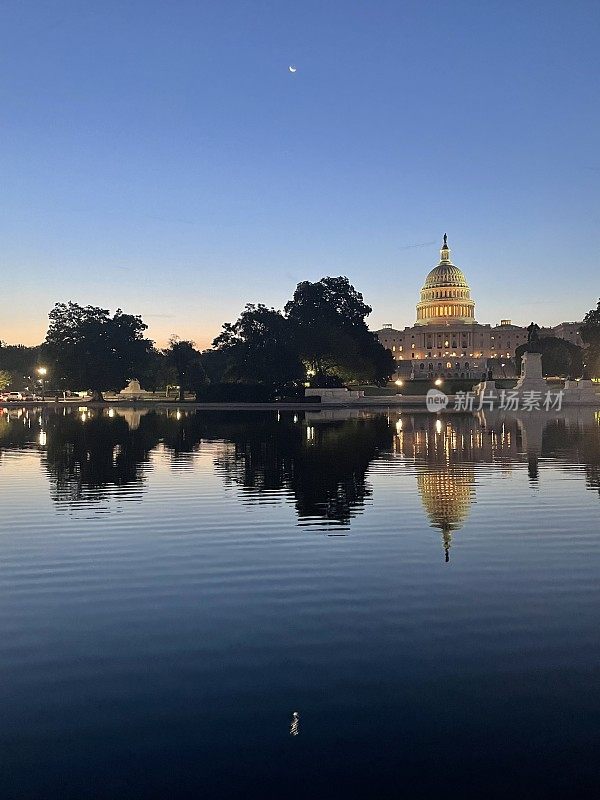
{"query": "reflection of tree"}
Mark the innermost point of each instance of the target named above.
(13, 431)
(576, 444)
(571, 437)
(108, 452)
(324, 466)
(87, 460)
(330, 477)
(322, 463)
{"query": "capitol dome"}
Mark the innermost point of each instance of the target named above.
(445, 275)
(446, 295)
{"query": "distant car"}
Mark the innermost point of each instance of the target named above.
(31, 396)
(14, 397)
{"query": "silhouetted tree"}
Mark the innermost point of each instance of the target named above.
(332, 336)
(590, 333)
(19, 362)
(260, 347)
(186, 360)
(158, 372)
(559, 357)
(92, 350)
(215, 364)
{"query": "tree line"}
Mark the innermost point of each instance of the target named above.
(321, 338)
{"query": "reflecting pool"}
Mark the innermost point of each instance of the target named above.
(310, 604)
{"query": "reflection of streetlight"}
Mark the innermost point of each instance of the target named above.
(399, 382)
(439, 382)
(42, 371)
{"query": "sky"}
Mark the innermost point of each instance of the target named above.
(160, 157)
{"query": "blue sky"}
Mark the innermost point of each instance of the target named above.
(159, 156)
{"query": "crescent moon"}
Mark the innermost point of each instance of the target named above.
(292, 69)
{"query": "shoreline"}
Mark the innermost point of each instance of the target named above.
(408, 402)
(413, 401)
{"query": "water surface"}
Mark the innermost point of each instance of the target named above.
(422, 590)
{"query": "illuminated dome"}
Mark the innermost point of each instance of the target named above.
(445, 275)
(445, 296)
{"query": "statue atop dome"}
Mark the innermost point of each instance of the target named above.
(445, 251)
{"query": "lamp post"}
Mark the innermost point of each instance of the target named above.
(42, 371)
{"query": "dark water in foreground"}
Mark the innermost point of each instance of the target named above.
(423, 591)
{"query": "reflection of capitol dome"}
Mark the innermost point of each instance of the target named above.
(445, 296)
(447, 494)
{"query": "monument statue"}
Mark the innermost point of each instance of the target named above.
(133, 390)
(532, 377)
(533, 338)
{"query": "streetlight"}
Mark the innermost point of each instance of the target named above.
(42, 371)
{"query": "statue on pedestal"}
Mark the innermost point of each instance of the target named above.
(133, 390)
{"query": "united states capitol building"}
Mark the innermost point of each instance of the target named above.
(446, 340)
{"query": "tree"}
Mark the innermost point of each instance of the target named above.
(92, 350)
(186, 361)
(328, 318)
(330, 298)
(559, 357)
(5, 379)
(20, 362)
(158, 372)
(590, 333)
(215, 364)
(260, 347)
(590, 329)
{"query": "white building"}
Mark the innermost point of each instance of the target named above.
(447, 341)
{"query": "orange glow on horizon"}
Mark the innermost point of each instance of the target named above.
(31, 332)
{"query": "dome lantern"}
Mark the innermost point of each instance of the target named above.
(445, 251)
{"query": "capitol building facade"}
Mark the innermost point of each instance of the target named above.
(446, 340)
